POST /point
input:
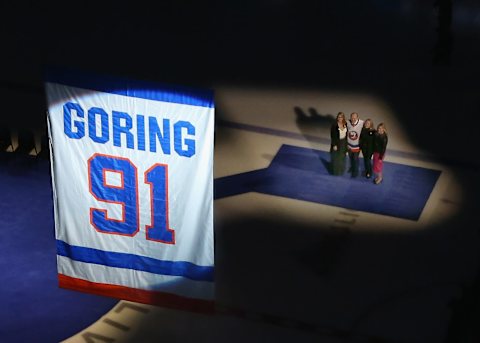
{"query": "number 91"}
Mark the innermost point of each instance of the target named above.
(126, 195)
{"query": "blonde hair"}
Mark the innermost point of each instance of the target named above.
(384, 127)
(371, 123)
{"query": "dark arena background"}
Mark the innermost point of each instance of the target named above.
(300, 255)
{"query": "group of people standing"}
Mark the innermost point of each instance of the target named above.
(354, 136)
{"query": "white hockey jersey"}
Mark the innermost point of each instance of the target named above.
(353, 135)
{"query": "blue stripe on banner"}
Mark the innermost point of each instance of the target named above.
(132, 88)
(135, 262)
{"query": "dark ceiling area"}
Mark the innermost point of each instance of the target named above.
(269, 41)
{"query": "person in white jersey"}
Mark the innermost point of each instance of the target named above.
(354, 128)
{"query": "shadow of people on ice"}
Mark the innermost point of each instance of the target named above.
(312, 117)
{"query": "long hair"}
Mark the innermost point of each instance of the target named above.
(384, 127)
(341, 114)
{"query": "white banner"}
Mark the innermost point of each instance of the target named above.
(132, 174)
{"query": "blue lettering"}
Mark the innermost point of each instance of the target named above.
(140, 132)
(92, 125)
(118, 129)
(190, 143)
(100, 131)
(154, 133)
(67, 121)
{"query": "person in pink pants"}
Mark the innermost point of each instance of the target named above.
(379, 147)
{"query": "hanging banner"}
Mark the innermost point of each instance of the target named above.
(132, 175)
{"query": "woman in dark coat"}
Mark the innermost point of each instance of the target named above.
(379, 147)
(366, 145)
(338, 147)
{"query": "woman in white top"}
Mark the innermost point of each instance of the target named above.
(338, 148)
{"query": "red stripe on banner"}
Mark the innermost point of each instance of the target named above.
(138, 295)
